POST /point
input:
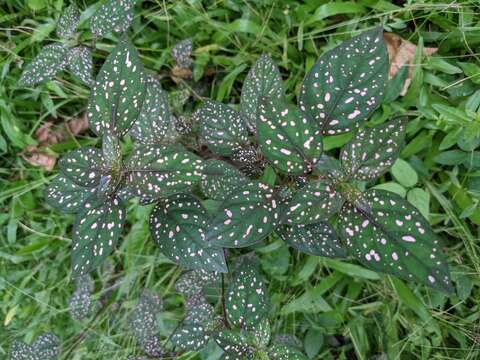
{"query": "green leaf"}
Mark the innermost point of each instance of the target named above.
(372, 151)
(112, 16)
(318, 239)
(247, 216)
(287, 137)
(330, 168)
(263, 80)
(111, 150)
(393, 237)
(50, 61)
(191, 283)
(68, 22)
(317, 201)
(182, 53)
(221, 128)
(156, 171)
(220, 178)
(283, 352)
(404, 173)
(45, 347)
(178, 228)
(197, 327)
(154, 124)
(261, 333)
(347, 83)
(80, 63)
(81, 304)
(246, 299)
(66, 196)
(96, 232)
(117, 96)
(143, 321)
(82, 166)
(234, 343)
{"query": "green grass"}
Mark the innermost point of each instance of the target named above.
(356, 314)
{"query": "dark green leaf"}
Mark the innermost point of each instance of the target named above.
(111, 150)
(68, 22)
(161, 170)
(246, 300)
(247, 216)
(393, 237)
(117, 96)
(287, 137)
(261, 333)
(182, 53)
(81, 303)
(95, 234)
(191, 283)
(82, 166)
(318, 239)
(283, 352)
(51, 60)
(373, 151)
(178, 228)
(80, 63)
(263, 80)
(112, 16)
(155, 124)
(315, 202)
(64, 195)
(220, 178)
(234, 343)
(221, 128)
(347, 83)
(45, 347)
(330, 168)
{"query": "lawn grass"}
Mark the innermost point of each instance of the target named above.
(353, 312)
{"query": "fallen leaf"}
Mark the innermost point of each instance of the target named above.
(36, 157)
(50, 134)
(179, 73)
(402, 52)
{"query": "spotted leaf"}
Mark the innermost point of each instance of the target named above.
(230, 356)
(154, 125)
(178, 228)
(283, 352)
(95, 234)
(143, 323)
(182, 53)
(373, 150)
(198, 325)
(112, 16)
(318, 239)
(288, 138)
(68, 22)
(45, 347)
(347, 83)
(66, 196)
(80, 63)
(246, 299)
(220, 178)
(263, 80)
(81, 303)
(161, 170)
(191, 283)
(118, 93)
(234, 343)
(393, 237)
(317, 201)
(111, 150)
(329, 168)
(82, 166)
(247, 216)
(221, 128)
(50, 61)
(261, 333)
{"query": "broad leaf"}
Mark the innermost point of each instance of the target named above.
(161, 170)
(51, 60)
(81, 303)
(117, 96)
(283, 352)
(178, 228)
(182, 53)
(45, 347)
(393, 237)
(315, 202)
(220, 178)
(287, 137)
(198, 325)
(68, 22)
(112, 16)
(246, 300)
(155, 124)
(111, 151)
(234, 343)
(347, 83)
(247, 216)
(318, 239)
(221, 128)
(263, 80)
(96, 232)
(80, 63)
(261, 333)
(373, 150)
(191, 283)
(227, 356)
(329, 168)
(66, 196)
(83, 166)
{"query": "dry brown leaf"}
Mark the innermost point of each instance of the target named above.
(179, 73)
(402, 52)
(36, 157)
